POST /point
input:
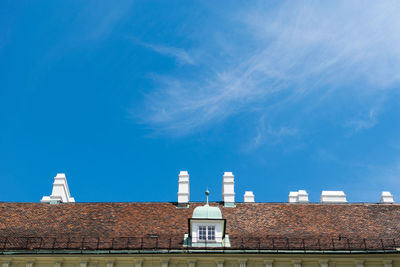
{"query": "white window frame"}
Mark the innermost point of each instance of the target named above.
(202, 232)
(207, 233)
(211, 233)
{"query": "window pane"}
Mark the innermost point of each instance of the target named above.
(202, 232)
(211, 233)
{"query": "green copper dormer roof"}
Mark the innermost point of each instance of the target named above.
(207, 211)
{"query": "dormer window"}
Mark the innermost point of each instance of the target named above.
(207, 228)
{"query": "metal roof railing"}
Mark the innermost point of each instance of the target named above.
(174, 242)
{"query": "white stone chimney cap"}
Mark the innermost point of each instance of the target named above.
(300, 196)
(60, 192)
(293, 197)
(333, 197)
(183, 189)
(228, 189)
(248, 196)
(333, 193)
(387, 197)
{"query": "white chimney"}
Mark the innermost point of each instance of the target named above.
(228, 189)
(293, 197)
(248, 197)
(60, 191)
(183, 189)
(333, 197)
(303, 196)
(387, 197)
(300, 196)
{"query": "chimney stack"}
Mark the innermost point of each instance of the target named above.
(387, 197)
(183, 189)
(228, 189)
(60, 193)
(333, 197)
(300, 196)
(248, 197)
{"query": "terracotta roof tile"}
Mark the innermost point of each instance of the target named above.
(158, 225)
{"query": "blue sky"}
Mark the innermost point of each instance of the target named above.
(123, 95)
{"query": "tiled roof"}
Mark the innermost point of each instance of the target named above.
(163, 225)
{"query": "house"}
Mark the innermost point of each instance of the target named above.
(58, 232)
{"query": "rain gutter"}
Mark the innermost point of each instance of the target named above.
(189, 251)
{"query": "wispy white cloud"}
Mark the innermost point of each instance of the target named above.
(179, 54)
(367, 122)
(305, 54)
(271, 135)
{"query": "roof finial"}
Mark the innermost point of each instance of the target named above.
(207, 193)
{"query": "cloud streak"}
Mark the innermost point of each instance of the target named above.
(363, 123)
(306, 55)
(271, 135)
(179, 54)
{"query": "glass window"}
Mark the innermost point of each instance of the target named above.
(211, 233)
(202, 232)
(207, 233)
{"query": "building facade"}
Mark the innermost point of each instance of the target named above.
(58, 232)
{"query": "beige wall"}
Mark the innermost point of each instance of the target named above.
(169, 260)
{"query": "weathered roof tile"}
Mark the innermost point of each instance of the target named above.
(146, 223)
